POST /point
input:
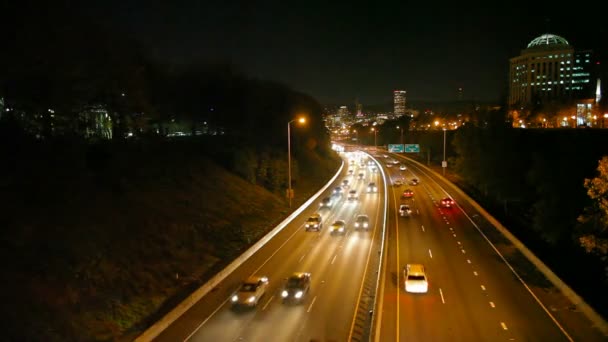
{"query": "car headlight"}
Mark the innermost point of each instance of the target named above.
(235, 298)
(356, 224)
(284, 293)
(299, 294)
(251, 299)
(341, 229)
(365, 225)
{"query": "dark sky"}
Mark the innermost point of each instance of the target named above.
(340, 51)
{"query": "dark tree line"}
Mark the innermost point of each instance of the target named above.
(537, 177)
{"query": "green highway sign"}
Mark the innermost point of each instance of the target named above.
(412, 148)
(396, 148)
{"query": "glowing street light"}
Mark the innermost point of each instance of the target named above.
(375, 136)
(401, 128)
(301, 120)
(444, 163)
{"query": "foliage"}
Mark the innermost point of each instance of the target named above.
(100, 239)
(593, 223)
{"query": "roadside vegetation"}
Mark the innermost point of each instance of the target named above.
(101, 240)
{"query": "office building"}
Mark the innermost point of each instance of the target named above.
(549, 72)
(399, 102)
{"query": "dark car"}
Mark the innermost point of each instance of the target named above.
(408, 193)
(326, 202)
(296, 287)
(447, 202)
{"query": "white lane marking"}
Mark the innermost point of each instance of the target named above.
(463, 251)
(454, 235)
(468, 261)
(452, 229)
(311, 304)
(458, 242)
(268, 302)
(475, 273)
(302, 257)
(492, 304)
(441, 293)
(503, 325)
(422, 228)
(483, 287)
(431, 254)
(334, 259)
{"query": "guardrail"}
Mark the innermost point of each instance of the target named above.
(158, 327)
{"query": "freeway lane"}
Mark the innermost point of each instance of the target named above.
(337, 265)
(473, 295)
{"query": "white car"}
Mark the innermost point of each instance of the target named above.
(397, 182)
(405, 210)
(415, 280)
(250, 292)
(402, 167)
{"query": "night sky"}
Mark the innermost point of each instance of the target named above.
(344, 51)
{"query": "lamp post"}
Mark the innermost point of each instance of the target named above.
(289, 191)
(375, 137)
(604, 121)
(444, 163)
(401, 128)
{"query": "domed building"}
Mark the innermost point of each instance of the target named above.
(550, 74)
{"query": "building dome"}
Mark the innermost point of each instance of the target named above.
(548, 39)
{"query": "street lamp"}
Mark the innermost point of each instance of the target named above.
(605, 118)
(289, 191)
(375, 137)
(401, 128)
(444, 163)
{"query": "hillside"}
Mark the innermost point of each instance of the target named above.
(98, 242)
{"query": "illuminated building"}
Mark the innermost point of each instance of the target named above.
(549, 71)
(399, 100)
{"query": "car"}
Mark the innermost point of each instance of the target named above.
(389, 165)
(371, 187)
(374, 168)
(351, 171)
(407, 193)
(447, 202)
(337, 191)
(326, 202)
(362, 221)
(352, 195)
(296, 287)
(338, 227)
(361, 175)
(414, 181)
(250, 291)
(397, 182)
(405, 210)
(314, 222)
(415, 279)
(345, 183)
(402, 167)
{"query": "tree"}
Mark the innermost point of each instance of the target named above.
(593, 223)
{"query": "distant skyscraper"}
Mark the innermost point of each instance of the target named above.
(358, 109)
(399, 101)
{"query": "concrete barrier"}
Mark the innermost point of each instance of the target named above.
(158, 327)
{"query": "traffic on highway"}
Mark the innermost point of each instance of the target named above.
(387, 251)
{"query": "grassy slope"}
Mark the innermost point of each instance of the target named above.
(96, 253)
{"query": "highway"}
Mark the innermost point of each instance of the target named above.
(473, 294)
(338, 264)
